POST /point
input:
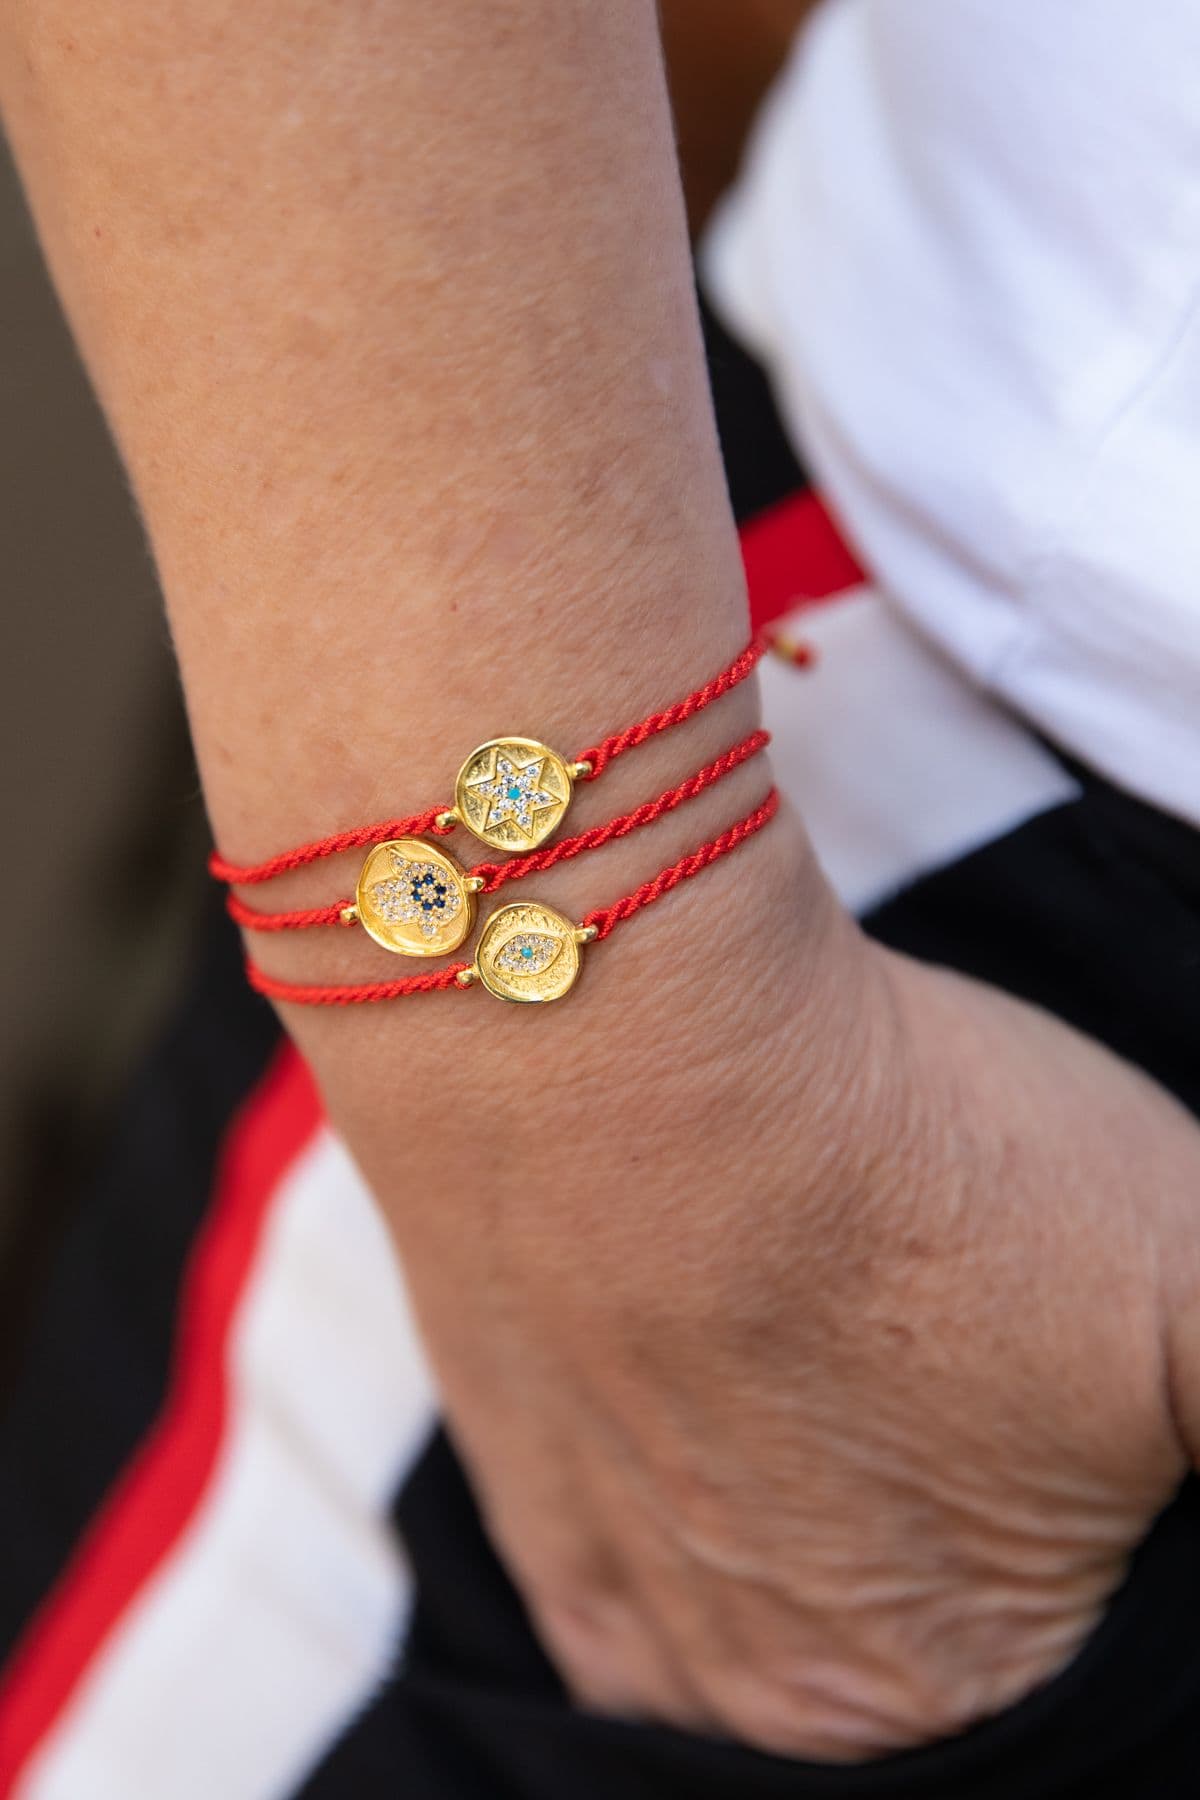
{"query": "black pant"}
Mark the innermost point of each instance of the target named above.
(1093, 910)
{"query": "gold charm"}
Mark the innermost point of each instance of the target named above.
(529, 952)
(513, 792)
(414, 899)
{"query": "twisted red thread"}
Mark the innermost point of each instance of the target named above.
(252, 920)
(601, 754)
(536, 861)
(605, 919)
(357, 839)
(599, 757)
(313, 995)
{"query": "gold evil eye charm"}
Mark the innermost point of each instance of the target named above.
(529, 952)
(513, 792)
(414, 899)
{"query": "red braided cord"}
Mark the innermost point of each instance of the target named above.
(416, 826)
(247, 874)
(604, 918)
(601, 754)
(305, 995)
(247, 916)
(536, 861)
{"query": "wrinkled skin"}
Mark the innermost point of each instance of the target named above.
(822, 1367)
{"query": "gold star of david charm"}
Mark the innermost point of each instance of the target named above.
(511, 793)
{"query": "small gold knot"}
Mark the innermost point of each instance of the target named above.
(579, 769)
(444, 820)
(349, 915)
(801, 655)
(466, 977)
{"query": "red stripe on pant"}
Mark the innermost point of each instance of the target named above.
(794, 554)
(149, 1507)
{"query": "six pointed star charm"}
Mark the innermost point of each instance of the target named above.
(513, 791)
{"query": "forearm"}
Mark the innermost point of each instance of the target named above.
(391, 311)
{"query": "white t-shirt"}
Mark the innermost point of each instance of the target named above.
(967, 243)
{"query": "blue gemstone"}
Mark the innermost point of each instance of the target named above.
(527, 952)
(514, 793)
(427, 906)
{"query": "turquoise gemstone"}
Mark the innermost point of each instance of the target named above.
(514, 793)
(527, 952)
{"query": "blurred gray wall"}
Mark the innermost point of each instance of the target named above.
(101, 831)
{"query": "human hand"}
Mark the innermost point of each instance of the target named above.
(819, 1357)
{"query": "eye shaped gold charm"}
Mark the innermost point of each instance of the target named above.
(512, 792)
(529, 952)
(414, 898)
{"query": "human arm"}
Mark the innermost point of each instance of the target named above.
(391, 311)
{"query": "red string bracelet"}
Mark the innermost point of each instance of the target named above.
(527, 952)
(511, 792)
(486, 877)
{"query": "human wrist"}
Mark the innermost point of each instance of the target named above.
(482, 846)
(681, 1054)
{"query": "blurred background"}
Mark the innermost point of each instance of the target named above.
(100, 815)
(105, 895)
